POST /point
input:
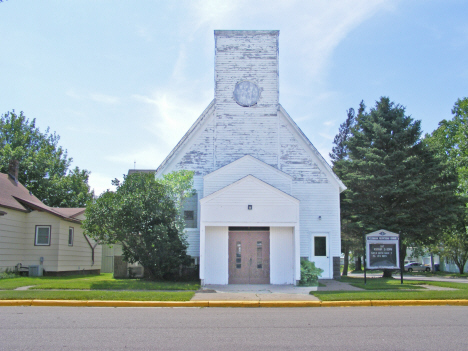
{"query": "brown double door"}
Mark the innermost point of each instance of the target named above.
(249, 257)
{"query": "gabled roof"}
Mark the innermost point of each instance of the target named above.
(210, 109)
(195, 126)
(259, 182)
(15, 196)
(312, 148)
(256, 160)
(387, 232)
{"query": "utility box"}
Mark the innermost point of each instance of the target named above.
(35, 270)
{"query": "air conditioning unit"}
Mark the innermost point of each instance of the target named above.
(35, 270)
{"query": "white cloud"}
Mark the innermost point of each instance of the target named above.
(97, 97)
(100, 183)
(317, 29)
(147, 157)
(106, 99)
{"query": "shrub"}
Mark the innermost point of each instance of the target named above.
(309, 273)
(8, 274)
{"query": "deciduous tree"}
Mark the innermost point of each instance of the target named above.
(144, 217)
(450, 140)
(44, 167)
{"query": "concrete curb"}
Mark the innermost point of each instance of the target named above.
(365, 303)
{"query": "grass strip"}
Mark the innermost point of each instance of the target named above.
(104, 281)
(382, 283)
(390, 295)
(98, 295)
(372, 293)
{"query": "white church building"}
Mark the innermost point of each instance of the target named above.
(265, 196)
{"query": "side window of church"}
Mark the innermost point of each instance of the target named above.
(190, 212)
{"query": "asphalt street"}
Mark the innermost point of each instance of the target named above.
(340, 328)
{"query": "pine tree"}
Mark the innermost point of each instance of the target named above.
(339, 155)
(395, 180)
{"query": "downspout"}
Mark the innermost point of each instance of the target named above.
(92, 248)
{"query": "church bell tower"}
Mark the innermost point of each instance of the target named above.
(246, 95)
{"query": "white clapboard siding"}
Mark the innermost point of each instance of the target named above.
(246, 165)
(280, 154)
(296, 160)
(281, 255)
(318, 200)
(216, 255)
(193, 240)
(269, 205)
(198, 156)
(241, 131)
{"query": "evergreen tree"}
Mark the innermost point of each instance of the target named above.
(339, 155)
(395, 180)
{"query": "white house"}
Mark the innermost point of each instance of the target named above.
(265, 196)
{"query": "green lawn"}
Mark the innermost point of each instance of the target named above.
(98, 295)
(391, 289)
(382, 283)
(438, 274)
(104, 281)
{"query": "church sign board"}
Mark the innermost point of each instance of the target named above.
(382, 250)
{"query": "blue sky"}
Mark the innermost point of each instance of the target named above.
(122, 81)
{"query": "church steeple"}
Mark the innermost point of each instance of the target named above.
(246, 95)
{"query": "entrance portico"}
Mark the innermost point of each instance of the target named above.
(227, 214)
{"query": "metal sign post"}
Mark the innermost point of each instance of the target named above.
(364, 242)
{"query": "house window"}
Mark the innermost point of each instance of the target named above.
(190, 211)
(320, 246)
(70, 236)
(42, 235)
(188, 215)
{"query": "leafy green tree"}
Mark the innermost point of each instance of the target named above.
(143, 216)
(395, 180)
(450, 140)
(43, 164)
(453, 245)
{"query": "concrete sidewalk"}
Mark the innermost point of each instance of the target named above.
(266, 292)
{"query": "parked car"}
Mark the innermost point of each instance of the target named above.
(416, 267)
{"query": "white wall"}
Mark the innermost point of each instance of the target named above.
(226, 132)
(269, 205)
(319, 200)
(243, 167)
(216, 255)
(239, 130)
(281, 255)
